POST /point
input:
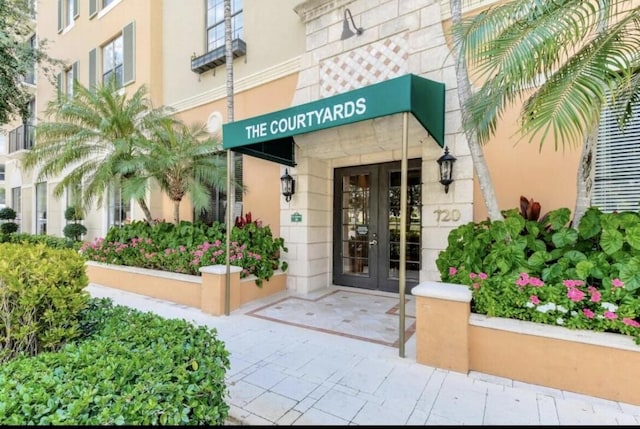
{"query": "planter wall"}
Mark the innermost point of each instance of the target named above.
(449, 336)
(206, 292)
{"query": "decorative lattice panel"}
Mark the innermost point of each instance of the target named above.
(363, 66)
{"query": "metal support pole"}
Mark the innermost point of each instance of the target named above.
(229, 217)
(403, 228)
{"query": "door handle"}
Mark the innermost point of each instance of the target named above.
(373, 242)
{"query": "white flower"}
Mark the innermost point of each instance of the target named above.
(559, 321)
(574, 313)
(561, 309)
(529, 304)
(609, 306)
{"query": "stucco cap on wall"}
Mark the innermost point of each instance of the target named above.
(219, 269)
(439, 290)
(310, 9)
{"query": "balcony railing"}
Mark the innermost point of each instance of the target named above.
(216, 57)
(21, 138)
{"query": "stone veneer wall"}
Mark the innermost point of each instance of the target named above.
(400, 37)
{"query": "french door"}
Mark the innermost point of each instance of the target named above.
(366, 234)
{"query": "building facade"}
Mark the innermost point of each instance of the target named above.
(355, 99)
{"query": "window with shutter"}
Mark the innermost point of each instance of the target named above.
(93, 68)
(93, 8)
(128, 47)
(617, 182)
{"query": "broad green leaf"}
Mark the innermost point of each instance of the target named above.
(564, 237)
(583, 269)
(630, 274)
(575, 256)
(633, 237)
(589, 225)
(514, 225)
(611, 241)
(559, 218)
(538, 259)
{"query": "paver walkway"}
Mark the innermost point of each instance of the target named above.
(288, 375)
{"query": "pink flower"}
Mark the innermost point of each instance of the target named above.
(476, 286)
(472, 275)
(536, 282)
(522, 282)
(588, 313)
(595, 295)
(534, 299)
(630, 322)
(617, 283)
(573, 283)
(575, 295)
(482, 276)
(452, 271)
(610, 315)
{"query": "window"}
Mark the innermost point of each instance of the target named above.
(98, 5)
(616, 182)
(30, 76)
(119, 210)
(117, 61)
(112, 61)
(67, 13)
(2, 176)
(215, 22)
(41, 208)
(16, 203)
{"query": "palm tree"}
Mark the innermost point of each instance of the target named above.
(578, 55)
(183, 160)
(475, 148)
(89, 137)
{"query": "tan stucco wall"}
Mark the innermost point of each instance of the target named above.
(272, 31)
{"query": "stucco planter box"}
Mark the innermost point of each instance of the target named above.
(206, 292)
(449, 336)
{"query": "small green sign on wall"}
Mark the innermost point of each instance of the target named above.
(296, 217)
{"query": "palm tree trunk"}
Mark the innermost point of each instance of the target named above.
(586, 171)
(145, 209)
(464, 93)
(176, 212)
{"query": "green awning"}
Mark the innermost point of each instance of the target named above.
(271, 136)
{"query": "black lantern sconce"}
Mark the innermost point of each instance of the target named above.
(288, 185)
(346, 29)
(445, 162)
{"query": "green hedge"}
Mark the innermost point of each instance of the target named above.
(41, 296)
(47, 240)
(131, 368)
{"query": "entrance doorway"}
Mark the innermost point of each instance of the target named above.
(366, 219)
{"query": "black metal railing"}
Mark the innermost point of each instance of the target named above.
(21, 138)
(217, 57)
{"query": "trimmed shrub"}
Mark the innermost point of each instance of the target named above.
(74, 231)
(131, 368)
(47, 240)
(8, 227)
(8, 213)
(41, 296)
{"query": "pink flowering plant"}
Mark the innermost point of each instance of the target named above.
(547, 272)
(186, 247)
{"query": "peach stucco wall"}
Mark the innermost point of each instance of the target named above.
(261, 178)
(521, 168)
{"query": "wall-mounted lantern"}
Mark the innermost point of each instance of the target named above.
(445, 162)
(288, 185)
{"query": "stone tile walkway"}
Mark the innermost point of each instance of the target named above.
(287, 375)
